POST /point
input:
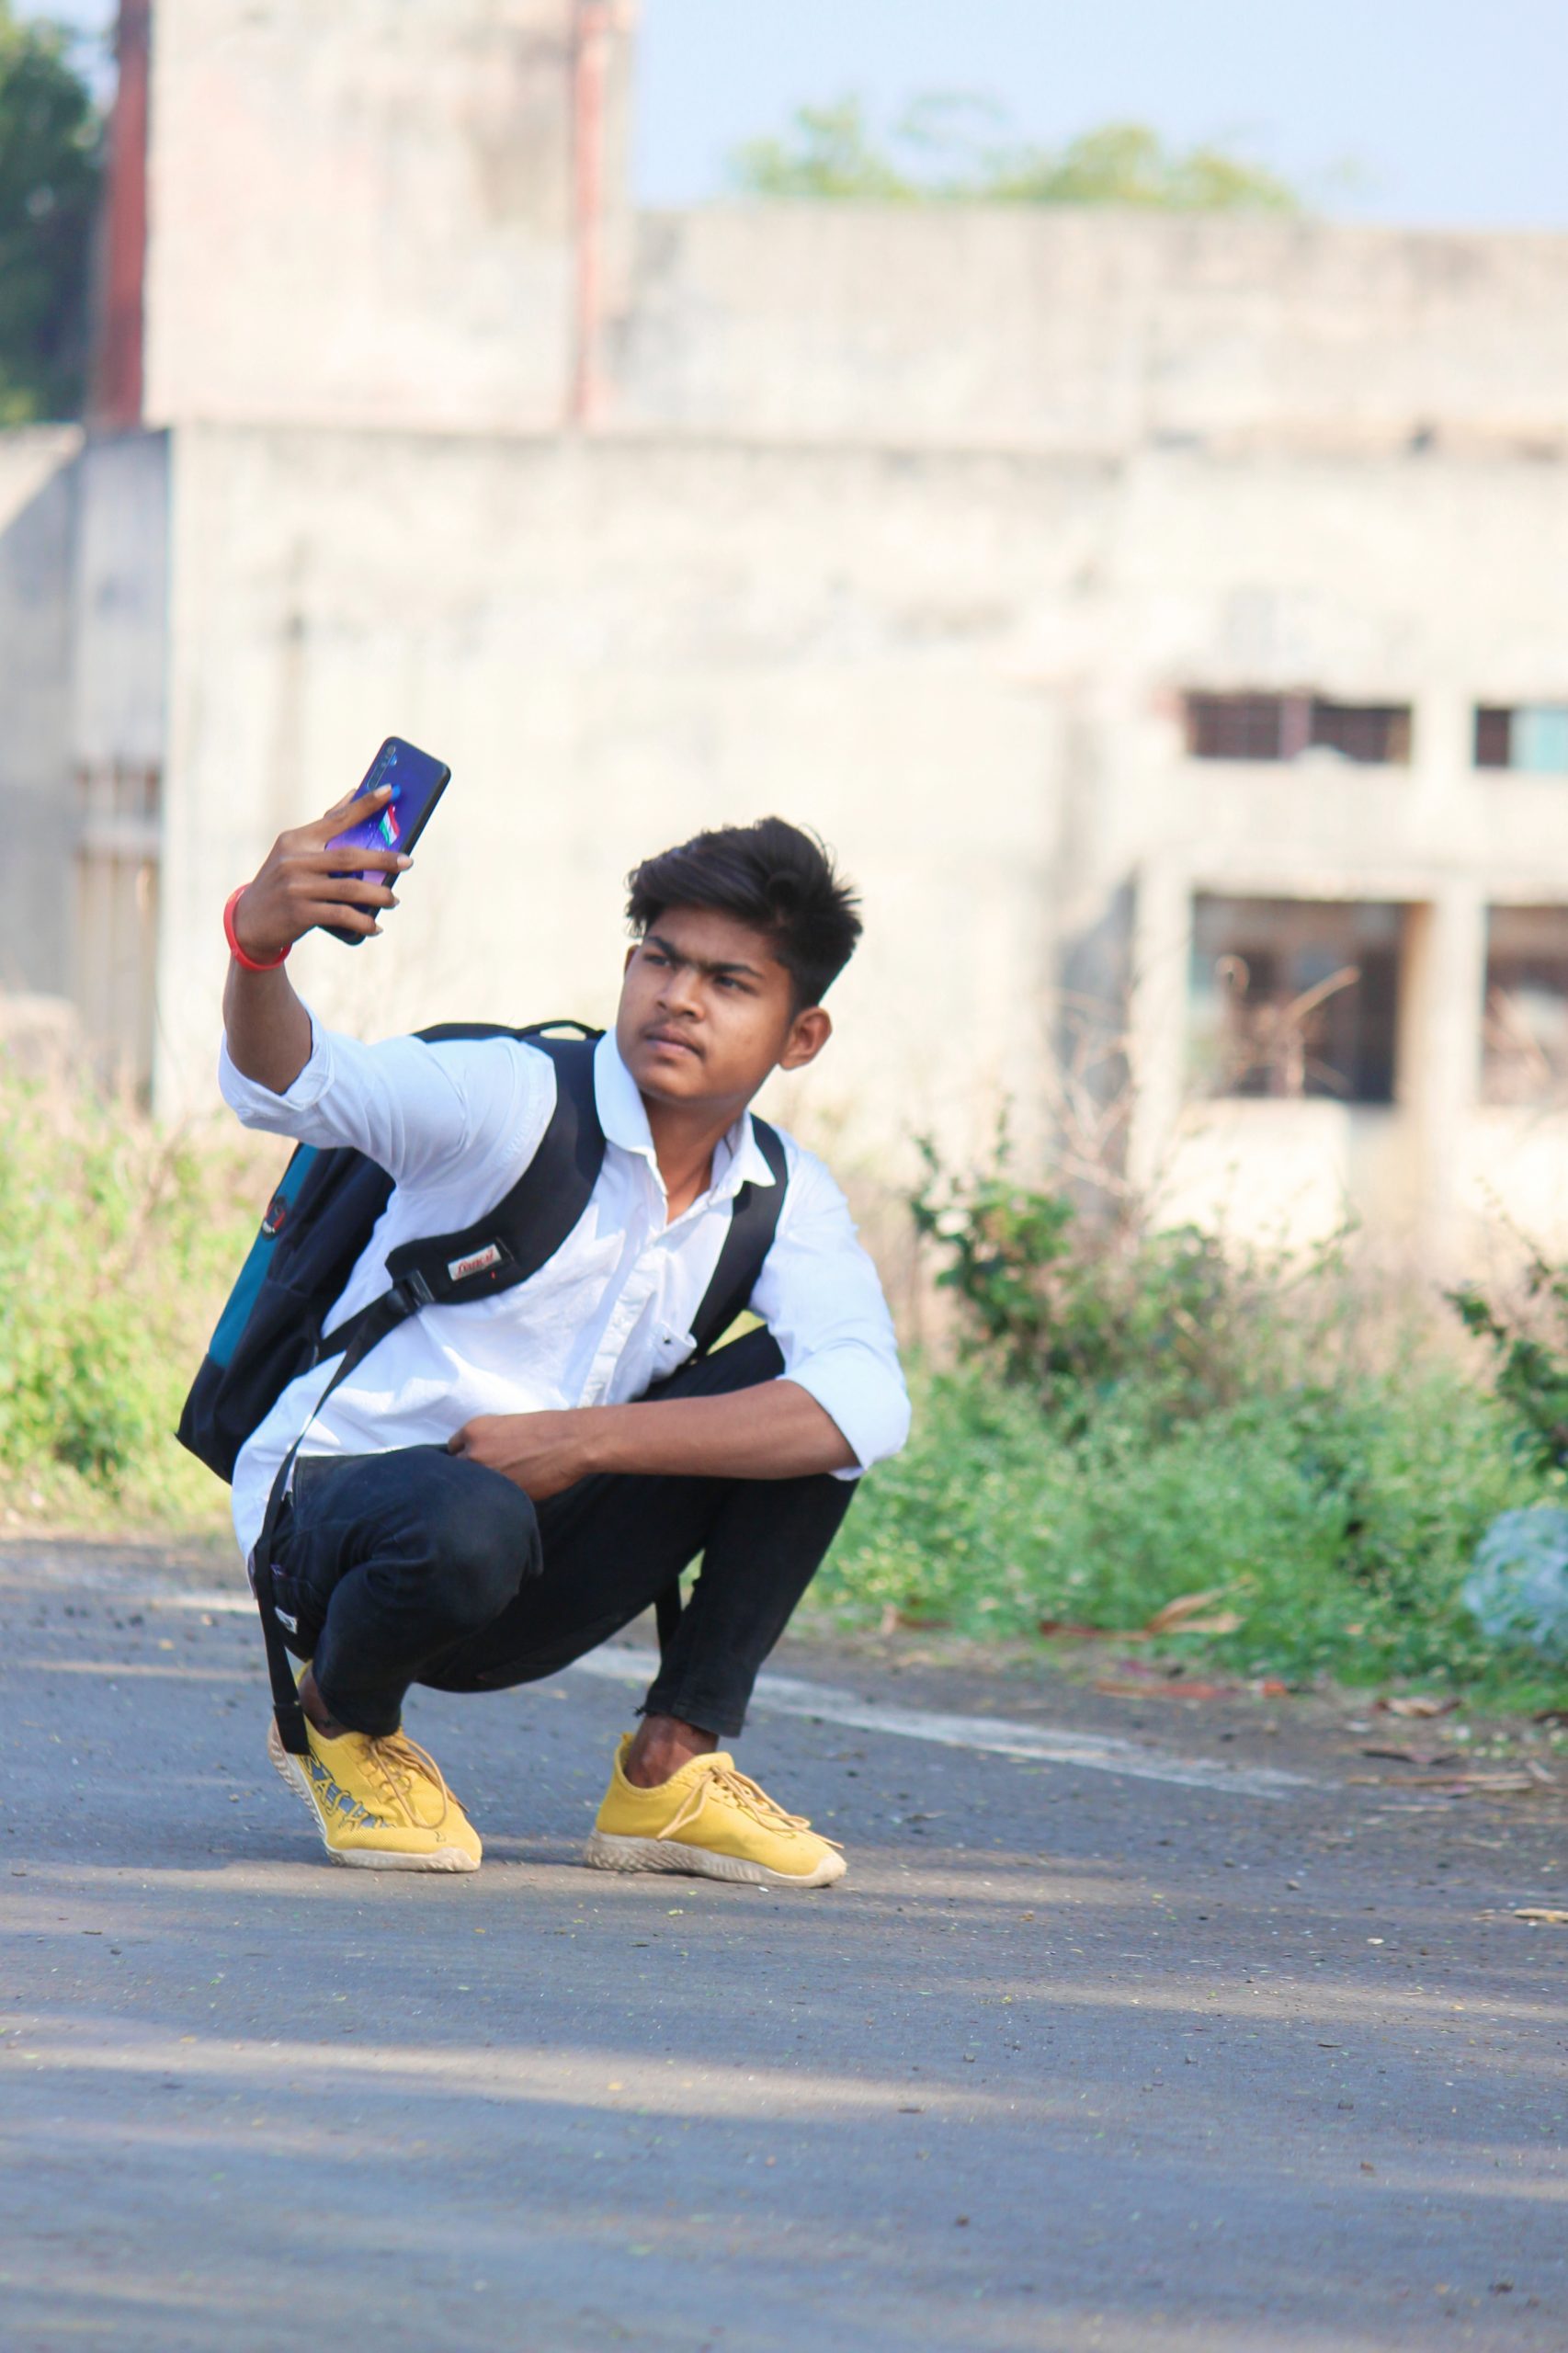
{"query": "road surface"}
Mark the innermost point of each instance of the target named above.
(1134, 2024)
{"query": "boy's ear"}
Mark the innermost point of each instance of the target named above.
(809, 1033)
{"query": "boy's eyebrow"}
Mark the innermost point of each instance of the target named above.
(698, 963)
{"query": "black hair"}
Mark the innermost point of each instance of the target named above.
(771, 876)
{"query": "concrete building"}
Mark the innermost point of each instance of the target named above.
(1163, 617)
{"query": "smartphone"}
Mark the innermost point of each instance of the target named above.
(417, 782)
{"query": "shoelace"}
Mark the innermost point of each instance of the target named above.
(395, 1760)
(743, 1793)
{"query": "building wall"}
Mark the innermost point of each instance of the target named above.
(1087, 329)
(84, 605)
(1411, 578)
(964, 670)
(914, 523)
(120, 602)
(367, 217)
(119, 682)
(38, 505)
(361, 216)
(613, 645)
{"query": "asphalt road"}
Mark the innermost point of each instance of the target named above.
(1131, 2026)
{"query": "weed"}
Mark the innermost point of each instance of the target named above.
(1144, 1414)
(1091, 1305)
(1528, 1340)
(118, 1243)
(1338, 1524)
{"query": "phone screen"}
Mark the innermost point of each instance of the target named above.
(417, 782)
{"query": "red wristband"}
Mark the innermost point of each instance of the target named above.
(247, 962)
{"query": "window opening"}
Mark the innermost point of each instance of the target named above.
(1524, 1035)
(1295, 997)
(1282, 727)
(1529, 736)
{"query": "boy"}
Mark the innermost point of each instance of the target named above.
(500, 1486)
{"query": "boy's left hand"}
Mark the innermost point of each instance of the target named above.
(541, 1453)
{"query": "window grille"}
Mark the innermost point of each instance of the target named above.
(1524, 1035)
(1282, 727)
(1296, 997)
(117, 915)
(1529, 736)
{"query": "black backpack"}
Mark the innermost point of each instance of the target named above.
(319, 1222)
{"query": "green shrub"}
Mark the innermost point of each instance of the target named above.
(1337, 1524)
(118, 1243)
(1096, 1306)
(1528, 1340)
(1144, 1414)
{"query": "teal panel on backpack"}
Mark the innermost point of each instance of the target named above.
(252, 1274)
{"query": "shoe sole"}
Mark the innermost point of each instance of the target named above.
(606, 1853)
(364, 1859)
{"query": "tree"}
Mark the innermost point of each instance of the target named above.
(960, 150)
(51, 162)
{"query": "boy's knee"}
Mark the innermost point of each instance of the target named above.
(485, 1535)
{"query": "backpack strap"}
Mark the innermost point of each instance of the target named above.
(754, 1222)
(386, 1313)
(526, 1229)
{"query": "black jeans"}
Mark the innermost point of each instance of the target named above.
(416, 1566)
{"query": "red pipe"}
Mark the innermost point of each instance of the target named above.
(117, 375)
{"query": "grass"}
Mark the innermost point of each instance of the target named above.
(1335, 1527)
(117, 1245)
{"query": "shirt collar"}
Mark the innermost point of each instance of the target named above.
(737, 1159)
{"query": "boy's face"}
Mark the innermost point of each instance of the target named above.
(707, 1011)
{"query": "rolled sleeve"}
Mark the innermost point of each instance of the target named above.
(820, 1295)
(420, 1111)
(853, 1389)
(256, 1106)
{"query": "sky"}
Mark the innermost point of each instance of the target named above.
(1434, 112)
(1450, 112)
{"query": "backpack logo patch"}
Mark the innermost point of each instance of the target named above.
(489, 1256)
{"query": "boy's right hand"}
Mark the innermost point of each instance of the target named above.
(302, 883)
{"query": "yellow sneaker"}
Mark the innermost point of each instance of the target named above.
(379, 1805)
(709, 1820)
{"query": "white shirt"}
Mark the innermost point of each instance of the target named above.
(455, 1125)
